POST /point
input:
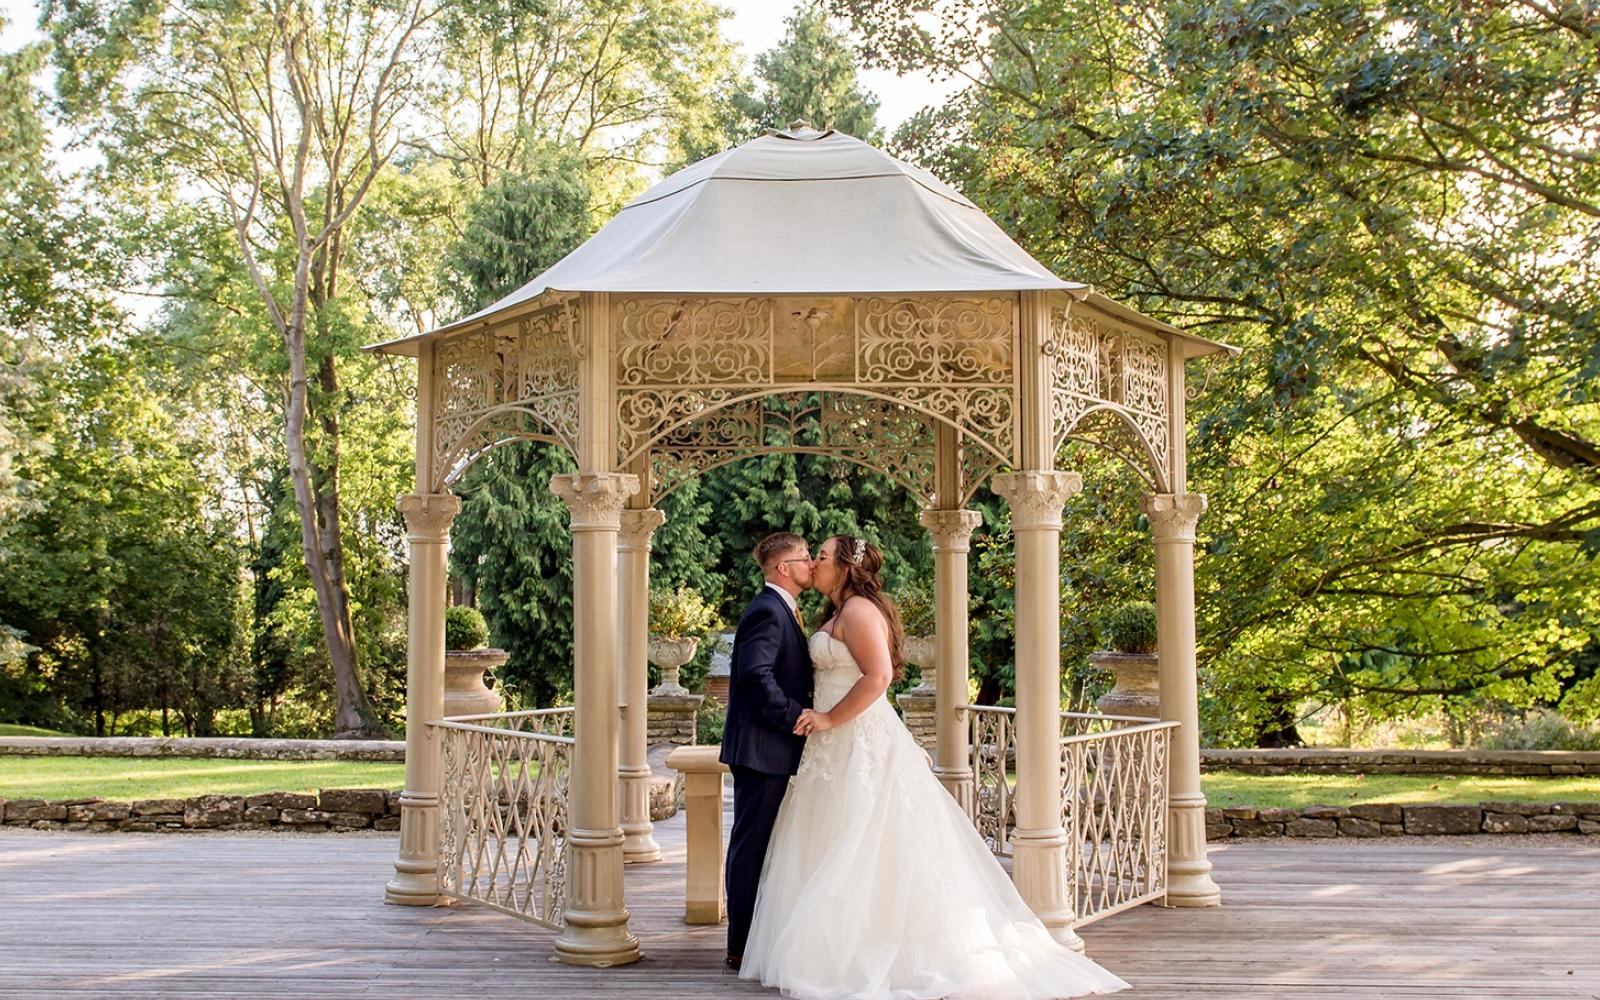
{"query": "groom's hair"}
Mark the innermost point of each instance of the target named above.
(771, 547)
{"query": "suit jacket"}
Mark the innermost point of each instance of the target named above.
(770, 685)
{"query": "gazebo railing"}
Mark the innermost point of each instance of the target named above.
(1113, 802)
(503, 811)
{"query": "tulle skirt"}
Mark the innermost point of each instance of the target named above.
(877, 886)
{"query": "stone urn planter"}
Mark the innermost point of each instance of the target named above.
(1136, 692)
(922, 651)
(465, 693)
(670, 654)
(466, 657)
(1130, 632)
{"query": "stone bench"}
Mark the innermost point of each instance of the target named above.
(704, 902)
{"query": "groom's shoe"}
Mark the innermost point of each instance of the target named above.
(732, 963)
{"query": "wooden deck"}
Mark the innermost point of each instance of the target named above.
(245, 916)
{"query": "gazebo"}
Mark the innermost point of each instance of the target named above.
(803, 292)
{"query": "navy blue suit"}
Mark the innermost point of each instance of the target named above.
(769, 687)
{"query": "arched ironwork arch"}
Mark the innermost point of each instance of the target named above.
(866, 428)
(1113, 430)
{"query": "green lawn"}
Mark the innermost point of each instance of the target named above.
(129, 778)
(12, 729)
(1231, 788)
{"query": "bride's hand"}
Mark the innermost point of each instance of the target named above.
(812, 722)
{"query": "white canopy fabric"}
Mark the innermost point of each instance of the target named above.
(798, 211)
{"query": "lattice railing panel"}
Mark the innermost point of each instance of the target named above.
(1113, 802)
(993, 749)
(503, 811)
(1114, 809)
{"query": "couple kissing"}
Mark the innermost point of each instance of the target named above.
(851, 872)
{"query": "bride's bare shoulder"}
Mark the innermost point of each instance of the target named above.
(859, 611)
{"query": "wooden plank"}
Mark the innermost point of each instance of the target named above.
(196, 917)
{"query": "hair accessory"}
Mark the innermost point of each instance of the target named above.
(859, 549)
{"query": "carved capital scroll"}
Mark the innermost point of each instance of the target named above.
(428, 515)
(595, 499)
(1173, 516)
(951, 529)
(1036, 498)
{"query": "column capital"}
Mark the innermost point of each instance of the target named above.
(637, 528)
(595, 499)
(1036, 497)
(1173, 516)
(951, 529)
(428, 515)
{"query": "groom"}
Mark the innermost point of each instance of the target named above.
(769, 688)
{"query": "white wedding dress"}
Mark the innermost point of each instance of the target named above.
(877, 886)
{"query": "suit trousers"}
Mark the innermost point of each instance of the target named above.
(756, 798)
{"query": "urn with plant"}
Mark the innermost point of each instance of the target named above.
(1128, 633)
(915, 603)
(466, 660)
(678, 620)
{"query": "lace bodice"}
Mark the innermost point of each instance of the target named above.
(834, 671)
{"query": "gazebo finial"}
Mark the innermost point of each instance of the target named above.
(799, 129)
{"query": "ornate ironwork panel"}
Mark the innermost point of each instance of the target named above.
(1098, 365)
(686, 359)
(516, 380)
(868, 431)
(1113, 802)
(994, 752)
(1114, 809)
(503, 812)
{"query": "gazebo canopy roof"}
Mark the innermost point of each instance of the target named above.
(798, 211)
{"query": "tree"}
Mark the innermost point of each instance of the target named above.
(812, 75)
(287, 114)
(1392, 208)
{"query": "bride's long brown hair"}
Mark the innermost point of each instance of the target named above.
(861, 580)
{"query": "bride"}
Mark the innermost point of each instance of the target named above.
(875, 884)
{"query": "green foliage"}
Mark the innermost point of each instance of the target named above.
(681, 613)
(464, 628)
(1130, 628)
(709, 720)
(522, 223)
(1392, 210)
(915, 602)
(812, 75)
(1542, 729)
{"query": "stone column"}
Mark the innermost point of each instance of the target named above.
(1040, 843)
(596, 923)
(416, 869)
(1172, 522)
(952, 540)
(633, 605)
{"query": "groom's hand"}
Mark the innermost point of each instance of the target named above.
(812, 721)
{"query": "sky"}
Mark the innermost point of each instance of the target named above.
(756, 25)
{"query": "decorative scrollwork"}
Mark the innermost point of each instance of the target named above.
(1111, 431)
(694, 341)
(1096, 365)
(503, 816)
(517, 381)
(875, 433)
(935, 340)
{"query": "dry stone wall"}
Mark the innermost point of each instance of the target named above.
(332, 809)
(1390, 820)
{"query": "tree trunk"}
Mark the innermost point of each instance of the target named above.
(320, 538)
